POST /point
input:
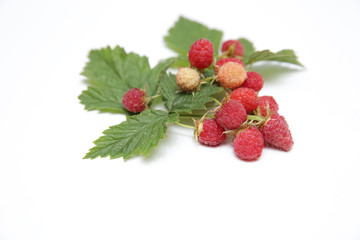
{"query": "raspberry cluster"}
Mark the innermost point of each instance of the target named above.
(251, 120)
(208, 80)
(250, 130)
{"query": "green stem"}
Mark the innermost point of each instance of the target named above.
(155, 96)
(254, 117)
(217, 101)
(251, 64)
(184, 125)
(191, 116)
(208, 78)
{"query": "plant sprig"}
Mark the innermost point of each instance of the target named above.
(111, 72)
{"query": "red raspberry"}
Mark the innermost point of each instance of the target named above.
(201, 54)
(238, 49)
(134, 100)
(231, 115)
(276, 133)
(248, 144)
(231, 75)
(225, 60)
(247, 97)
(210, 133)
(254, 80)
(263, 103)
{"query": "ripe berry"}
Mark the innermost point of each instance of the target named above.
(209, 132)
(231, 115)
(247, 97)
(201, 54)
(134, 100)
(225, 60)
(254, 80)
(231, 75)
(248, 144)
(187, 79)
(276, 133)
(265, 101)
(238, 47)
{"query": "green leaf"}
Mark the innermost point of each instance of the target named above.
(138, 135)
(110, 73)
(106, 100)
(101, 71)
(152, 85)
(185, 32)
(248, 48)
(179, 61)
(209, 72)
(285, 55)
(184, 102)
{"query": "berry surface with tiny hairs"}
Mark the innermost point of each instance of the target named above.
(238, 47)
(231, 75)
(225, 60)
(201, 54)
(231, 115)
(247, 97)
(254, 81)
(248, 144)
(210, 133)
(276, 133)
(264, 102)
(134, 100)
(187, 79)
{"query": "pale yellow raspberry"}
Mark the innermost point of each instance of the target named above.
(231, 75)
(187, 79)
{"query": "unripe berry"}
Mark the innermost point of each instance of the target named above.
(225, 60)
(231, 75)
(187, 79)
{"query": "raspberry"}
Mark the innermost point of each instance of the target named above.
(134, 100)
(209, 132)
(254, 80)
(263, 103)
(231, 75)
(276, 133)
(187, 79)
(248, 144)
(238, 47)
(231, 115)
(225, 60)
(201, 54)
(247, 97)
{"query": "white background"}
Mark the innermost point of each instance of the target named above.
(183, 190)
